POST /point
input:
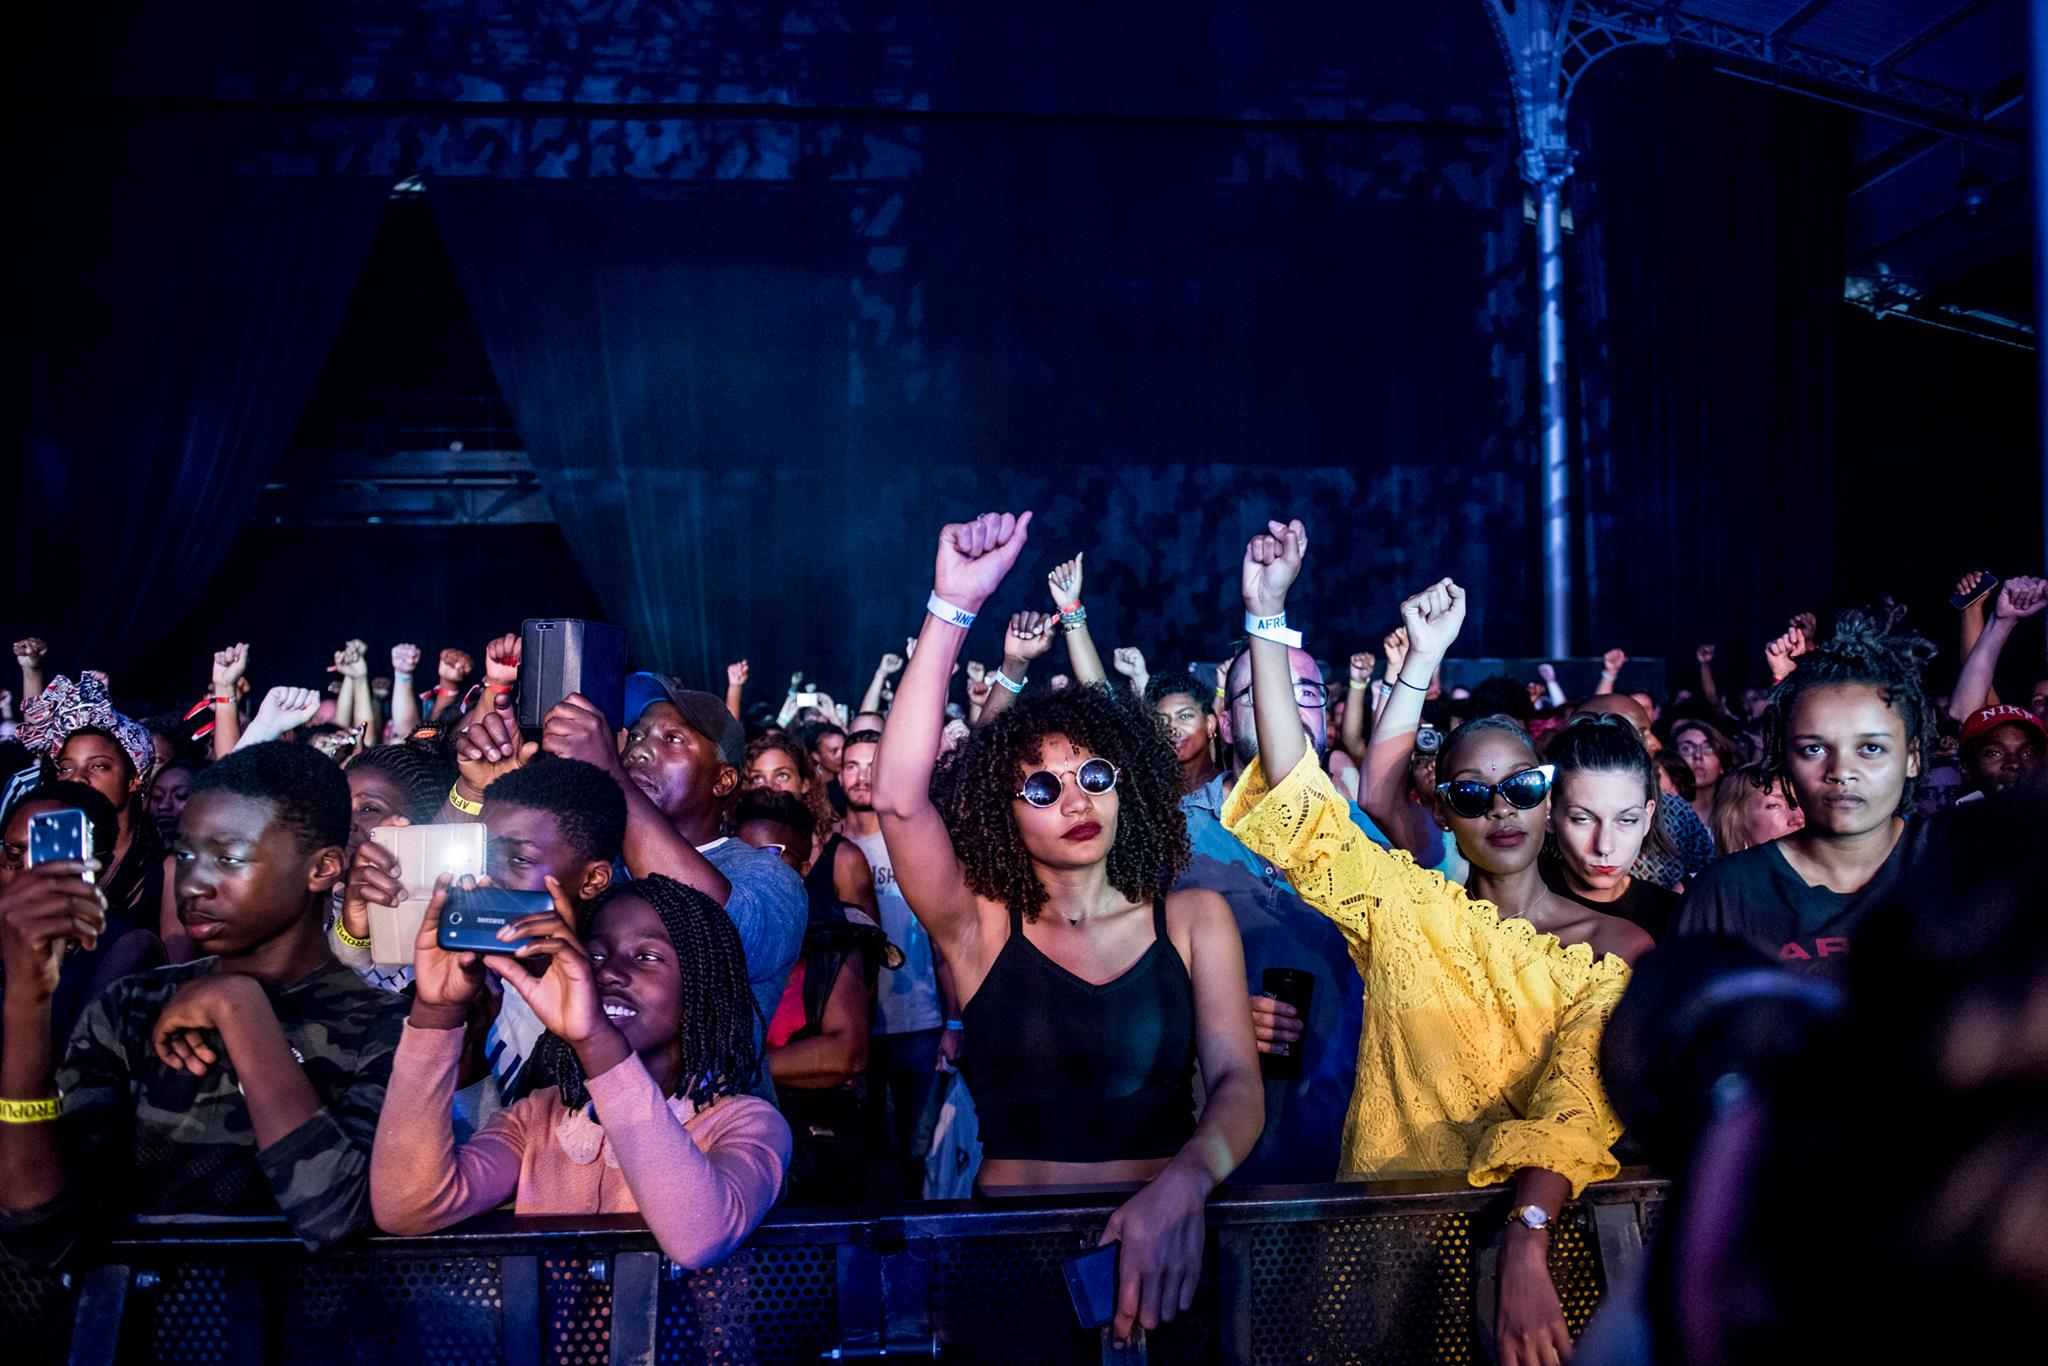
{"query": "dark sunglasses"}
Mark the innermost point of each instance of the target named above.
(1043, 788)
(1523, 790)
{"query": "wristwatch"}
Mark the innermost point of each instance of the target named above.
(1529, 1216)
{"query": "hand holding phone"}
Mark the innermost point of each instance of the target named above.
(474, 913)
(394, 876)
(563, 993)
(1091, 1284)
(60, 837)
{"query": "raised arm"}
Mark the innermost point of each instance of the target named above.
(1610, 671)
(1973, 615)
(891, 664)
(1027, 637)
(453, 672)
(1430, 621)
(29, 655)
(1272, 561)
(973, 557)
(735, 687)
(1065, 583)
(2021, 597)
(405, 703)
(228, 666)
(1356, 703)
(1709, 689)
(351, 665)
(283, 710)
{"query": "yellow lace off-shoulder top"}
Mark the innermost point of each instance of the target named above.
(1480, 1050)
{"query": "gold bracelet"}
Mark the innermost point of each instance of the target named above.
(341, 933)
(30, 1111)
(462, 803)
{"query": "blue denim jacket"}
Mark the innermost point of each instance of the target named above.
(1304, 1117)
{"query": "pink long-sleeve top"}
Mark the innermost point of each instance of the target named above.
(702, 1178)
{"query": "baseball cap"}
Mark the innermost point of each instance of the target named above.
(1982, 723)
(702, 712)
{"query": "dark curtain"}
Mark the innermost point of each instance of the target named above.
(1707, 268)
(168, 315)
(753, 398)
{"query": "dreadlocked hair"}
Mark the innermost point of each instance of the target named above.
(719, 1056)
(975, 786)
(1868, 648)
(812, 793)
(418, 768)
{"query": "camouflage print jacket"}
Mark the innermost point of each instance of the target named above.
(140, 1138)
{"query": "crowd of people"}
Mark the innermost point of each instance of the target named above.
(1257, 919)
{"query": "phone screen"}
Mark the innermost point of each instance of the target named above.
(58, 836)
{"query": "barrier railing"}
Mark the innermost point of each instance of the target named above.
(1388, 1272)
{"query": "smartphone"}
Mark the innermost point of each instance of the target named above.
(1961, 601)
(424, 852)
(1091, 1284)
(472, 918)
(57, 836)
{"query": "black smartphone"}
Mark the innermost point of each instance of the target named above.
(57, 836)
(1991, 584)
(472, 917)
(1091, 1283)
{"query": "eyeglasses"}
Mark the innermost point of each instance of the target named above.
(1309, 695)
(1043, 788)
(1523, 790)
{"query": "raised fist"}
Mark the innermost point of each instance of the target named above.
(976, 671)
(1705, 654)
(2022, 596)
(501, 662)
(736, 675)
(1129, 661)
(1361, 666)
(349, 661)
(1433, 619)
(228, 665)
(455, 667)
(1548, 673)
(30, 652)
(1611, 663)
(1029, 636)
(1395, 647)
(1272, 562)
(891, 663)
(404, 659)
(974, 556)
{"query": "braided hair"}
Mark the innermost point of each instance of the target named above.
(719, 1053)
(418, 768)
(976, 784)
(1867, 649)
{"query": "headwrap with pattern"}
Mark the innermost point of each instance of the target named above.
(64, 708)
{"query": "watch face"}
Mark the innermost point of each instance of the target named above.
(1534, 1217)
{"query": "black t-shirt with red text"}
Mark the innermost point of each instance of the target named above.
(1755, 896)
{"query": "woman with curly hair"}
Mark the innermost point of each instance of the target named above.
(650, 1047)
(1039, 862)
(835, 868)
(1847, 731)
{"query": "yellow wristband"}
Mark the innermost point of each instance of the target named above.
(341, 933)
(30, 1111)
(464, 804)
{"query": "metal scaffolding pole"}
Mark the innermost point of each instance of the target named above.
(1548, 46)
(2037, 122)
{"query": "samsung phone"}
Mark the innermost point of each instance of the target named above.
(60, 836)
(424, 853)
(471, 919)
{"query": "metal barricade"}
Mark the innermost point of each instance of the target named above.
(1386, 1272)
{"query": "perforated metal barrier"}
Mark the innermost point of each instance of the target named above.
(1328, 1274)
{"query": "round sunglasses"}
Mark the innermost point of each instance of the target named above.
(1094, 777)
(1523, 790)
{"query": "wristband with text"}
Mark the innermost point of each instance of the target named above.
(30, 1111)
(462, 803)
(1003, 680)
(948, 612)
(1272, 628)
(341, 933)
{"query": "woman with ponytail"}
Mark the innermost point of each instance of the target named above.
(1847, 730)
(651, 1050)
(1603, 810)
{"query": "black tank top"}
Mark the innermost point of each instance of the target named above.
(1066, 1071)
(819, 882)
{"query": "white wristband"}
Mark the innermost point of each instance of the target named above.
(1272, 628)
(1003, 681)
(948, 613)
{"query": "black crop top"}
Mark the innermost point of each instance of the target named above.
(1066, 1071)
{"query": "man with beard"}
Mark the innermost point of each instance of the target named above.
(1305, 1111)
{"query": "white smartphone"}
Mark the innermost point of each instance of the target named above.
(424, 852)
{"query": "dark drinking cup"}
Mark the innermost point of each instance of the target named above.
(1294, 986)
